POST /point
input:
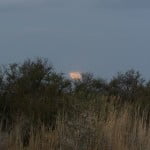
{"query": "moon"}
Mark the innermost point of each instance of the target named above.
(75, 75)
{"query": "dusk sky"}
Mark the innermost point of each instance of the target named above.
(99, 36)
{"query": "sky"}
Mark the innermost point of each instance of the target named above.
(98, 36)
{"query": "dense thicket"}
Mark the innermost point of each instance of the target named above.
(34, 90)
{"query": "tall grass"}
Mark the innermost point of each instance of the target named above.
(91, 125)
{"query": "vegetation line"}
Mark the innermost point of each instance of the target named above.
(43, 109)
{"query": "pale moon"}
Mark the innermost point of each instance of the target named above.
(75, 75)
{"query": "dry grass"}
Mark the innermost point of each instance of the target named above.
(87, 130)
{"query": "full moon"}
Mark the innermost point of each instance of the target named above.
(75, 75)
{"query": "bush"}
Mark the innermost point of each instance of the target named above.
(34, 89)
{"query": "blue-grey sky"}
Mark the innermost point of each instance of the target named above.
(99, 36)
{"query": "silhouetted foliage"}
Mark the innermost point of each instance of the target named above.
(126, 84)
(90, 86)
(33, 89)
